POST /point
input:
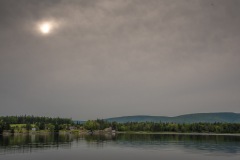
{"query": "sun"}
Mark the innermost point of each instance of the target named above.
(45, 28)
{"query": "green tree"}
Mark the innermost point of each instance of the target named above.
(28, 127)
(91, 125)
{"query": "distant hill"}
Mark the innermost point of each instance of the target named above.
(79, 122)
(227, 117)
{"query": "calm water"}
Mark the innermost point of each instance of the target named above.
(121, 146)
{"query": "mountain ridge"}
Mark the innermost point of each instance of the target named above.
(224, 117)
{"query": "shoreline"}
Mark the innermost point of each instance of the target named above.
(178, 133)
(118, 132)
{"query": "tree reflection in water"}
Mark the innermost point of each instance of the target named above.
(206, 143)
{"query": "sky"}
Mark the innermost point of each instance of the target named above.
(108, 58)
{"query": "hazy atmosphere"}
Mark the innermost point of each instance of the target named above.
(89, 59)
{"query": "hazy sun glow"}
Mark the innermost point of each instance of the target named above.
(45, 28)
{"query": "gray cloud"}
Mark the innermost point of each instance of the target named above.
(112, 58)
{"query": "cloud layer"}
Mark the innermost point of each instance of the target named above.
(113, 58)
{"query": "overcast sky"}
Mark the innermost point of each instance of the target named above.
(108, 58)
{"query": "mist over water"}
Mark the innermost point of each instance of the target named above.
(121, 146)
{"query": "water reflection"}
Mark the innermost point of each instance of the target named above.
(30, 143)
(188, 143)
(209, 143)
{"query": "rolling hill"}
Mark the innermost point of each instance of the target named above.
(227, 117)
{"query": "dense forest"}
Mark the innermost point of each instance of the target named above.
(34, 119)
(17, 123)
(165, 127)
(174, 127)
(29, 122)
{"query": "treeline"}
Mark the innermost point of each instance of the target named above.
(21, 123)
(165, 127)
(34, 119)
(174, 127)
(40, 123)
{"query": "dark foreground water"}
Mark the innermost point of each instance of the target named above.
(120, 147)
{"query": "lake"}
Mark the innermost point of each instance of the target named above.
(120, 146)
